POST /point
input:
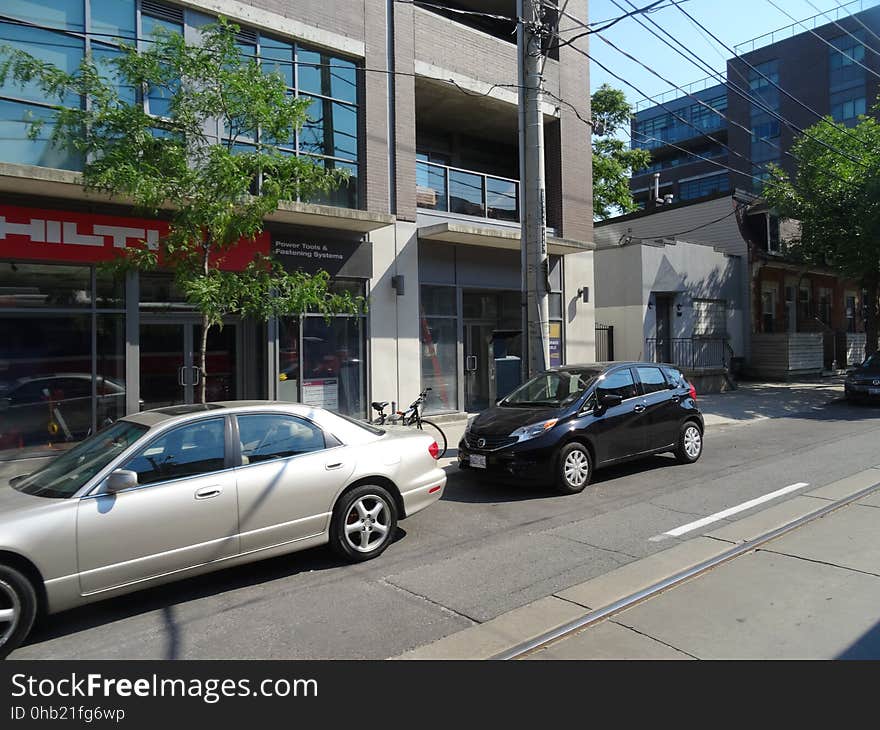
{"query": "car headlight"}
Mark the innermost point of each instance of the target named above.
(533, 430)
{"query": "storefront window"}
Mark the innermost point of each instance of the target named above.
(53, 390)
(324, 363)
(438, 328)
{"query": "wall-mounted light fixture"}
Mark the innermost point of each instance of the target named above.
(397, 283)
(650, 302)
(678, 310)
(584, 294)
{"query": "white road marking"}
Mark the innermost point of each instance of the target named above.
(691, 526)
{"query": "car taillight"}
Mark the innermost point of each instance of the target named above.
(693, 393)
(434, 450)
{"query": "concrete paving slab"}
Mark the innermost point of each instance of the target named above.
(843, 488)
(845, 537)
(608, 640)
(636, 576)
(492, 637)
(504, 574)
(872, 500)
(767, 520)
(765, 606)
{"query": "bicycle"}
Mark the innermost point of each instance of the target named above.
(412, 416)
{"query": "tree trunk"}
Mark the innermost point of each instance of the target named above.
(203, 355)
(872, 287)
(203, 359)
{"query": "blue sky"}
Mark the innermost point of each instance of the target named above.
(733, 21)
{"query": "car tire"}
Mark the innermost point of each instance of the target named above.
(17, 595)
(574, 468)
(364, 523)
(690, 443)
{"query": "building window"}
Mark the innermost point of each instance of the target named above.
(768, 308)
(710, 318)
(704, 186)
(55, 387)
(323, 363)
(846, 78)
(438, 341)
(851, 313)
(330, 137)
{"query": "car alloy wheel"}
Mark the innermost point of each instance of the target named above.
(368, 524)
(693, 442)
(10, 612)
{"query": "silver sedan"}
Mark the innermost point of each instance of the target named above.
(179, 491)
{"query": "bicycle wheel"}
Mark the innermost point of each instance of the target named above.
(434, 430)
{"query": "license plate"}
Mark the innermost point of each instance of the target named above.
(478, 461)
(873, 391)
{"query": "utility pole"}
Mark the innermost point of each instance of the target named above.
(535, 264)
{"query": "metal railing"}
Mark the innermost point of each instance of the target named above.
(690, 352)
(604, 342)
(454, 190)
(789, 31)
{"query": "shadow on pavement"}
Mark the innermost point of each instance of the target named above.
(866, 647)
(164, 598)
(464, 486)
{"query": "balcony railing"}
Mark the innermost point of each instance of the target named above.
(453, 190)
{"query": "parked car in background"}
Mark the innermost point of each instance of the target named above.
(178, 491)
(55, 408)
(863, 382)
(568, 421)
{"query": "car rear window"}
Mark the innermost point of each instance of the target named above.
(673, 376)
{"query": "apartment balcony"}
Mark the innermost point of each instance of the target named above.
(452, 190)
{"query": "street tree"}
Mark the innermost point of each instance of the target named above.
(204, 152)
(613, 160)
(835, 195)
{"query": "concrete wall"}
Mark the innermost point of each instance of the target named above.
(627, 276)
(580, 317)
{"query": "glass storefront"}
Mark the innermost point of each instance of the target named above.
(324, 363)
(62, 354)
(438, 330)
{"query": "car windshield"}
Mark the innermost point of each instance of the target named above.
(66, 475)
(873, 362)
(553, 388)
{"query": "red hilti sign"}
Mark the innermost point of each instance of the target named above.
(53, 235)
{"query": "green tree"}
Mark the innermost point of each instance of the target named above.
(209, 161)
(835, 195)
(613, 160)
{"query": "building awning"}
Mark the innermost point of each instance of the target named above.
(52, 183)
(469, 234)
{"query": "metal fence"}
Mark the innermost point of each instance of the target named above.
(689, 352)
(604, 342)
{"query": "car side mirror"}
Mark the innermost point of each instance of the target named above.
(609, 400)
(121, 479)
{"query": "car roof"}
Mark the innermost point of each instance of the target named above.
(605, 365)
(341, 427)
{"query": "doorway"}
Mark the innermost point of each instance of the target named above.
(663, 304)
(169, 357)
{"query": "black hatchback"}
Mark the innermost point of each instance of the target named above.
(863, 382)
(564, 423)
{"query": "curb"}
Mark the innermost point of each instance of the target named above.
(504, 633)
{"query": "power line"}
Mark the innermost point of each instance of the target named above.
(567, 42)
(851, 35)
(858, 20)
(825, 41)
(755, 100)
(777, 86)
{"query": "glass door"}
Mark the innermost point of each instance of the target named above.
(169, 360)
(477, 336)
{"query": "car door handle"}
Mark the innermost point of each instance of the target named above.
(208, 492)
(640, 408)
(676, 399)
(336, 465)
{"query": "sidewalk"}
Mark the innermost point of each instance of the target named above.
(812, 593)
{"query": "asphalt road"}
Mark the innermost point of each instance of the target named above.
(483, 550)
